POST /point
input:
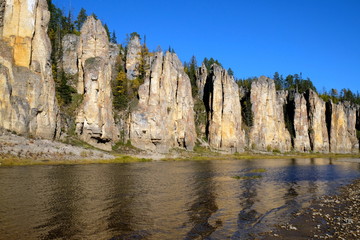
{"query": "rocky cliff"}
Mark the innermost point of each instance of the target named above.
(318, 127)
(342, 130)
(95, 121)
(301, 124)
(70, 45)
(221, 98)
(201, 76)
(164, 117)
(28, 104)
(268, 131)
(2, 11)
(133, 58)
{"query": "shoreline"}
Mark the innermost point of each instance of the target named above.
(20, 151)
(329, 217)
(11, 160)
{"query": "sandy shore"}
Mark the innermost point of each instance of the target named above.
(331, 217)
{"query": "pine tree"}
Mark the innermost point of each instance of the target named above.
(107, 31)
(113, 37)
(81, 18)
(230, 72)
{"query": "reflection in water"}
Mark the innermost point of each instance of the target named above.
(161, 200)
(204, 205)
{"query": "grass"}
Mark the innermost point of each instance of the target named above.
(247, 177)
(258, 170)
(199, 154)
(16, 161)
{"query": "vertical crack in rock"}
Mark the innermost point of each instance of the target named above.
(222, 103)
(318, 133)
(301, 123)
(95, 121)
(164, 117)
(268, 132)
(30, 106)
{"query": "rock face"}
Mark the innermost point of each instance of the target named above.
(201, 76)
(318, 129)
(164, 117)
(343, 132)
(70, 44)
(301, 124)
(28, 104)
(133, 58)
(95, 121)
(221, 97)
(2, 11)
(268, 131)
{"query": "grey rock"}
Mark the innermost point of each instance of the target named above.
(29, 104)
(221, 95)
(164, 117)
(201, 76)
(95, 120)
(133, 58)
(343, 132)
(318, 132)
(268, 131)
(301, 124)
(70, 54)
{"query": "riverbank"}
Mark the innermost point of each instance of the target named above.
(330, 217)
(17, 150)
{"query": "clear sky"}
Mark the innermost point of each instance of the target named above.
(320, 38)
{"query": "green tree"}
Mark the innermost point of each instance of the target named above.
(81, 18)
(211, 61)
(230, 72)
(113, 37)
(190, 70)
(107, 31)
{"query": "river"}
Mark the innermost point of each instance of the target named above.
(227, 199)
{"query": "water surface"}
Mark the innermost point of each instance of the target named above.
(162, 200)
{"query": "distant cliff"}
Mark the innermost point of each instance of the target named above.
(155, 107)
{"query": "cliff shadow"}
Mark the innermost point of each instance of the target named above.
(289, 116)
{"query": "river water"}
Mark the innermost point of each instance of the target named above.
(162, 200)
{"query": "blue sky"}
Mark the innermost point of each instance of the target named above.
(320, 38)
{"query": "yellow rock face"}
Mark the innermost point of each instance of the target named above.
(22, 51)
(19, 28)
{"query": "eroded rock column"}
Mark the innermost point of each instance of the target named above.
(28, 105)
(164, 117)
(268, 132)
(221, 96)
(95, 121)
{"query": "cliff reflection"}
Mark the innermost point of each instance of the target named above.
(161, 200)
(204, 202)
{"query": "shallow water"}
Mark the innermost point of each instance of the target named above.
(162, 200)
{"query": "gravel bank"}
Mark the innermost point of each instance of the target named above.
(38, 149)
(331, 217)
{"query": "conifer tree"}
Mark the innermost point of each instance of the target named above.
(81, 18)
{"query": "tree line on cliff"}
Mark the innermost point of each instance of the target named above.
(125, 91)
